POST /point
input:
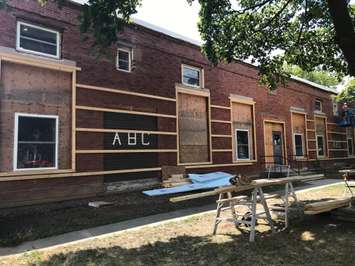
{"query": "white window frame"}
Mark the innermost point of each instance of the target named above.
(236, 144)
(17, 115)
(19, 48)
(335, 109)
(321, 105)
(294, 144)
(129, 51)
(201, 81)
(324, 147)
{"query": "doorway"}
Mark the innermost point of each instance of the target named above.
(274, 142)
(277, 146)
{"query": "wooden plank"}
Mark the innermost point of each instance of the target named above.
(220, 107)
(104, 130)
(122, 111)
(127, 92)
(125, 151)
(255, 183)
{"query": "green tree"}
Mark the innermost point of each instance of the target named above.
(309, 33)
(318, 76)
(347, 95)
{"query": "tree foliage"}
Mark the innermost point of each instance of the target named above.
(348, 94)
(318, 76)
(309, 33)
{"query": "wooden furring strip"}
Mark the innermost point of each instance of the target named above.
(124, 151)
(220, 121)
(122, 111)
(222, 150)
(221, 136)
(104, 130)
(221, 107)
(89, 87)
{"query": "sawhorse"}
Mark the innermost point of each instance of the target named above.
(256, 197)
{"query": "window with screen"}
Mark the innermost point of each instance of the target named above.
(242, 144)
(298, 138)
(38, 40)
(35, 142)
(124, 59)
(318, 105)
(191, 76)
(320, 146)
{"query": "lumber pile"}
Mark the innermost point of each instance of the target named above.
(174, 176)
(346, 214)
(252, 185)
(326, 206)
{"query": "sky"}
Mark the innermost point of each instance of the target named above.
(175, 15)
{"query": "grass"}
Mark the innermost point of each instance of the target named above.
(58, 218)
(317, 240)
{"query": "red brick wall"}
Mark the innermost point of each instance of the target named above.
(157, 60)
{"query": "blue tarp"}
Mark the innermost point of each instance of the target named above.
(199, 182)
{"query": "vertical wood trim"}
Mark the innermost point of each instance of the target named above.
(0, 68)
(234, 148)
(177, 126)
(326, 135)
(306, 135)
(254, 134)
(73, 135)
(209, 125)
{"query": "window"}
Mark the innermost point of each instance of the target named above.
(320, 146)
(124, 60)
(36, 142)
(335, 109)
(191, 76)
(37, 40)
(298, 141)
(318, 105)
(350, 147)
(242, 143)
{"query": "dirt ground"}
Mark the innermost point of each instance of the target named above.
(317, 240)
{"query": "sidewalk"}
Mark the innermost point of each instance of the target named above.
(135, 224)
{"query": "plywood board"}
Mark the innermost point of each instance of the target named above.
(193, 128)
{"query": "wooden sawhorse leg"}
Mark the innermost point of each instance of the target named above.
(258, 192)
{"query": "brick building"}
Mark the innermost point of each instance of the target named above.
(70, 123)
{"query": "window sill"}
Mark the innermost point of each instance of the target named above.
(244, 161)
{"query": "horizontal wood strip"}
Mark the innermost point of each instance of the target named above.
(89, 87)
(217, 165)
(338, 149)
(222, 150)
(221, 136)
(104, 130)
(34, 172)
(221, 107)
(310, 130)
(83, 174)
(312, 140)
(124, 151)
(122, 111)
(221, 121)
(336, 132)
(342, 141)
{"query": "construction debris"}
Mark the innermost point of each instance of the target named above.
(98, 204)
(326, 206)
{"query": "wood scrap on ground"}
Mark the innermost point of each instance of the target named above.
(326, 206)
(98, 204)
(174, 176)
